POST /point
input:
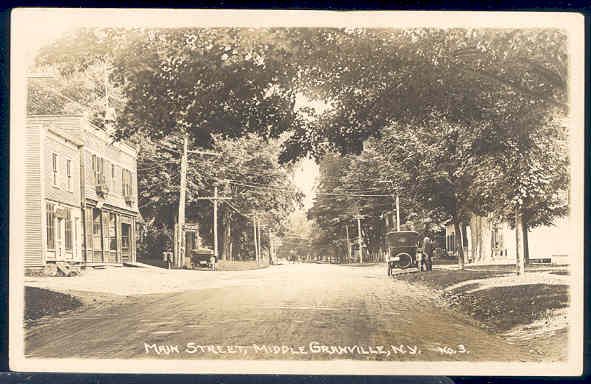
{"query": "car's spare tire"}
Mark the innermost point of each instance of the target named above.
(405, 260)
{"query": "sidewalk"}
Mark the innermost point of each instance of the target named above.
(125, 281)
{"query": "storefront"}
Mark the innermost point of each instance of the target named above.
(110, 235)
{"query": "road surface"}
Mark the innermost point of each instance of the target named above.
(296, 311)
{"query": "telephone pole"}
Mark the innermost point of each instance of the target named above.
(179, 233)
(215, 222)
(359, 240)
(254, 234)
(397, 214)
(348, 242)
(259, 242)
(214, 199)
(270, 248)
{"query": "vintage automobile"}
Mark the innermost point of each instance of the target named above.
(401, 249)
(200, 258)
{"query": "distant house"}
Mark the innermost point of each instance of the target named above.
(487, 240)
(80, 194)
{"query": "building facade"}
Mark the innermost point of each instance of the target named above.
(487, 240)
(80, 194)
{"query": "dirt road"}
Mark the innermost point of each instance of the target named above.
(298, 311)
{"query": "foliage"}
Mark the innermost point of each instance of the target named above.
(465, 74)
(206, 81)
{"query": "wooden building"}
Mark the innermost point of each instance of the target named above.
(80, 194)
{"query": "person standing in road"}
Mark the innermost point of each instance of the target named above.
(212, 262)
(428, 253)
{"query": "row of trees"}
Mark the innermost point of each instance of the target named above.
(465, 121)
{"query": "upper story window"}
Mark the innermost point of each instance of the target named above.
(69, 174)
(126, 182)
(54, 161)
(113, 177)
(98, 167)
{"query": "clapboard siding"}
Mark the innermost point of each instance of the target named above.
(64, 150)
(33, 246)
(96, 144)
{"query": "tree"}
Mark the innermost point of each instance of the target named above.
(82, 65)
(206, 81)
(529, 177)
(492, 88)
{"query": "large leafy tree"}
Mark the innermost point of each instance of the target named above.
(494, 90)
(205, 82)
(378, 77)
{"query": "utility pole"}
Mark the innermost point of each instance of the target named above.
(254, 236)
(348, 242)
(180, 234)
(397, 214)
(214, 199)
(259, 242)
(270, 248)
(215, 222)
(360, 240)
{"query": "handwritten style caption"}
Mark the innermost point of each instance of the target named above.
(311, 349)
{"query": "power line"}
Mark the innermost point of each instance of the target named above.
(316, 193)
(236, 209)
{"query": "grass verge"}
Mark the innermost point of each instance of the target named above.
(42, 302)
(499, 308)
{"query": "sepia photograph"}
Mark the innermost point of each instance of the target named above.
(297, 192)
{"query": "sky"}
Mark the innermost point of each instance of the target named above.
(307, 171)
(305, 178)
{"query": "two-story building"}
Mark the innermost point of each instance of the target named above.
(80, 194)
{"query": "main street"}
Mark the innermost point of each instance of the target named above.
(294, 311)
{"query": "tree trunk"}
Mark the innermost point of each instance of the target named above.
(519, 259)
(459, 244)
(525, 241)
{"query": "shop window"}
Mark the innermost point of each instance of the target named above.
(112, 232)
(50, 217)
(68, 230)
(97, 230)
(125, 230)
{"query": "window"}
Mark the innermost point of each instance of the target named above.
(88, 223)
(68, 230)
(126, 182)
(98, 166)
(451, 242)
(112, 232)
(50, 217)
(54, 167)
(96, 229)
(125, 229)
(69, 173)
(113, 177)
